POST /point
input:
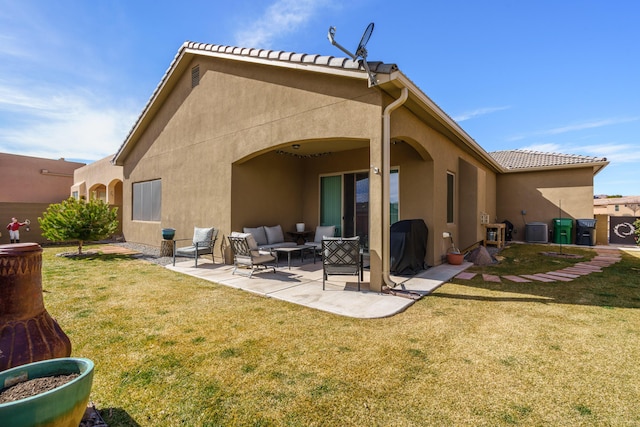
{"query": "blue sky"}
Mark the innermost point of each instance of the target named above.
(559, 76)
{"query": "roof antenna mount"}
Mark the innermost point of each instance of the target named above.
(361, 50)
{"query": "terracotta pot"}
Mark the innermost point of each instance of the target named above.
(61, 406)
(27, 332)
(455, 259)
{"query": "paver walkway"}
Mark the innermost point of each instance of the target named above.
(605, 257)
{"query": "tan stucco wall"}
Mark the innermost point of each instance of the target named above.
(542, 194)
(22, 211)
(26, 179)
(423, 179)
(99, 174)
(617, 209)
(214, 148)
(205, 144)
(602, 229)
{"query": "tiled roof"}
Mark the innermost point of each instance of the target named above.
(290, 59)
(526, 159)
(301, 58)
(617, 201)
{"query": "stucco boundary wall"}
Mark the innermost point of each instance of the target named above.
(22, 211)
(602, 229)
(31, 211)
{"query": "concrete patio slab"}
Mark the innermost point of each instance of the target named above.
(303, 285)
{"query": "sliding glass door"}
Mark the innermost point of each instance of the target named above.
(344, 202)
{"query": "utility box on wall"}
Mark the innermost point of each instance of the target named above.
(536, 232)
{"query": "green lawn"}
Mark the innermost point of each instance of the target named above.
(172, 350)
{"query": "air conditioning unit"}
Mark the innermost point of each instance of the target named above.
(536, 232)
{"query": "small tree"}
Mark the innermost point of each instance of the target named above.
(78, 220)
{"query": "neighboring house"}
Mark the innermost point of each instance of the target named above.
(617, 206)
(28, 185)
(237, 138)
(544, 186)
(100, 180)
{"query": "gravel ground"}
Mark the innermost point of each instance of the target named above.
(148, 253)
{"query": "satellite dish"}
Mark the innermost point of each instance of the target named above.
(361, 50)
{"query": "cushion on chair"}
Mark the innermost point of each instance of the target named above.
(274, 234)
(258, 234)
(202, 234)
(324, 231)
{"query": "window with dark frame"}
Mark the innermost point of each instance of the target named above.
(147, 200)
(450, 196)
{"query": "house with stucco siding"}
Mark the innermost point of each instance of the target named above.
(235, 137)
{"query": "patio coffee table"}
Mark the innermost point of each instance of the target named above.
(290, 250)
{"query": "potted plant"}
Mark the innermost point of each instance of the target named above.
(168, 233)
(62, 405)
(454, 256)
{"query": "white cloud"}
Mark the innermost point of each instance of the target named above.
(56, 125)
(281, 18)
(589, 125)
(577, 127)
(617, 153)
(478, 112)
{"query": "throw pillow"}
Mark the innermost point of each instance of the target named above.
(202, 234)
(258, 234)
(274, 234)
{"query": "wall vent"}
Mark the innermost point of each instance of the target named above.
(536, 232)
(195, 76)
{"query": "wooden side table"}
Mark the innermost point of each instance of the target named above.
(166, 248)
(494, 234)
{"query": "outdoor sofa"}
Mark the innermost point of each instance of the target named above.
(268, 238)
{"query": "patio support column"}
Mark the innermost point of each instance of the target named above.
(375, 215)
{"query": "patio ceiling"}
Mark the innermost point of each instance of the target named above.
(315, 148)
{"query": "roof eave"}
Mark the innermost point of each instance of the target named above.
(597, 167)
(398, 80)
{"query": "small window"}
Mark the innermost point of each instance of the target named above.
(147, 200)
(75, 195)
(195, 76)
(450, 196)
(617, 208)
(394, 196)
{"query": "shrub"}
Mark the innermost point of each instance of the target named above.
(78, 220)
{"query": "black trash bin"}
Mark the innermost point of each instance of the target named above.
(586, 232)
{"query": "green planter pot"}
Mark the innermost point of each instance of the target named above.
(62, 406)
(168, 233)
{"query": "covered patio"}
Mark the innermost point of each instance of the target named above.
(302, 285)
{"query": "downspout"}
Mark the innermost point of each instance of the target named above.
(386, 181)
